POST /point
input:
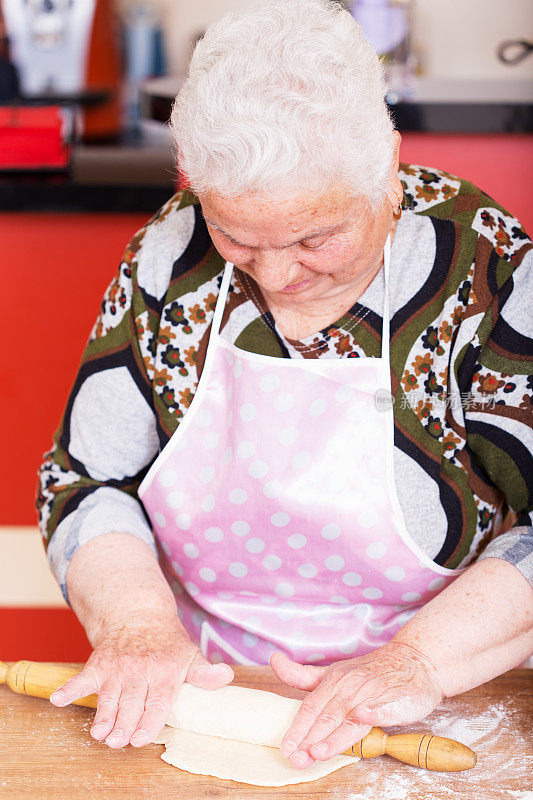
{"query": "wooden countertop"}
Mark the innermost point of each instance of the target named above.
(48, 752)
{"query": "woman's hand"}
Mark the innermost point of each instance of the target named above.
(135, 669)
(393, 685)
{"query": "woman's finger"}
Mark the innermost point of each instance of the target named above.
(304, 720)
(328, 720)
(81, 685)
(340, 711)
(300, 676)
(156, 711)
(106, 712)
(347, 734)
(130, 711)
(206, 675)
(376, 693)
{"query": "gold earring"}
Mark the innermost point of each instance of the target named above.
(398, 213)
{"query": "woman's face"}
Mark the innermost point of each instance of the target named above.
(301, 247)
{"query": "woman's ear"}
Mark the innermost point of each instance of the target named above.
(395, 188)
(397, 139)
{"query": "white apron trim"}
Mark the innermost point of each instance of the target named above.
(209, 634)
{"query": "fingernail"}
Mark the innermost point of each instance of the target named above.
(320, 749)
(140, 738)
(58, 696)
(288, 749)
(116, 735)
(97, 727)
(299, 759)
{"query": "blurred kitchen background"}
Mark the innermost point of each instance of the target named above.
(86, 157)
(86, 86)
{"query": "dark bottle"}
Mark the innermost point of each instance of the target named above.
(9, 83)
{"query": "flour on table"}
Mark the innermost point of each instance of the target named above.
(497, 764)
(235, 733)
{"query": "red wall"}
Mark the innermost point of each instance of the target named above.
(55, 268)
(54, 271)
(42, 634)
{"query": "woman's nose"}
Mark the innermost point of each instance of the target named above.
(274, 269)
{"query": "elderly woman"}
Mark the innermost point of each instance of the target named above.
(302, 414)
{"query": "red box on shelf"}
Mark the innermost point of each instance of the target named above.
(33, 138)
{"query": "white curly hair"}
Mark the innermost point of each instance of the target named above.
(285, 97)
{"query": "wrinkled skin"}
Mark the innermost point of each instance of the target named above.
(393, 685)
(331, 243)
(135, 669)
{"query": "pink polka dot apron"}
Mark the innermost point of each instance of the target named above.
(275, 507)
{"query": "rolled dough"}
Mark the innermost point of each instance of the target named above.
(235, 733)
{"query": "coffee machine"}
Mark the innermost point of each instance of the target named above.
(68, 50)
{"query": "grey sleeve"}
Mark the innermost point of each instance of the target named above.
(515, 546)
(106, 510)
(88, 481)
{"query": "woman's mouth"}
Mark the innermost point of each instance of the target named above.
(296, 286)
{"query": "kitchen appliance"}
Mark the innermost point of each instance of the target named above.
(387, 26)
(67, 50)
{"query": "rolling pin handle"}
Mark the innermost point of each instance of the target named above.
(424, 750)
(373, 744)
(434, 753)
(42, 680)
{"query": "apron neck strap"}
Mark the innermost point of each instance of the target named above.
(221, 302)
(385, 327)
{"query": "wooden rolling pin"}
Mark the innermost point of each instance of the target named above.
(418, 749)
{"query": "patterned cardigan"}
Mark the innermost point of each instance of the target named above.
(461, 364)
